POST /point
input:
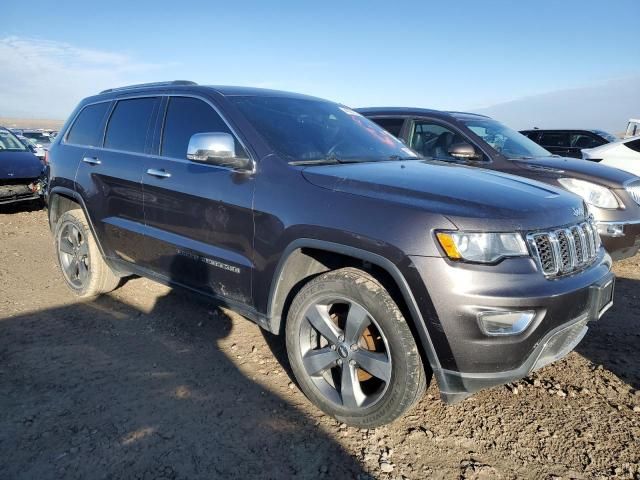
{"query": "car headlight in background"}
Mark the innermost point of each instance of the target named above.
(482, 247)
(593, 194)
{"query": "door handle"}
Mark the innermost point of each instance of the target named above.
(154, 172)
(91, 160)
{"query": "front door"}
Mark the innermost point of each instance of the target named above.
(198, 216)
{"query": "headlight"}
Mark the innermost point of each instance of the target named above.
(482, 247)
(593, 194)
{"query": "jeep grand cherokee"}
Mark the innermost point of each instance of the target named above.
(381, 269)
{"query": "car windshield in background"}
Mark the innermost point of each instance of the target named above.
(9, 142)
(314, 131)
(506, 141)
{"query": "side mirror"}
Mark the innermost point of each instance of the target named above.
(217, 148)
(463, 151)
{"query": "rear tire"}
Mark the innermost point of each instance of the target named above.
(351, 350)
(84, 270)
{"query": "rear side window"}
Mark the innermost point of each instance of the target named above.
(554, 139)
(186, 116)
(89, 126)
(391, 125)
(633, 145)
(130, 124)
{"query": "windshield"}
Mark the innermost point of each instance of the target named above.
(10, 143)
(504, 140)
(307, 130)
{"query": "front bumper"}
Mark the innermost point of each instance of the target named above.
(20, 192)
(621, 239)
(469, 360)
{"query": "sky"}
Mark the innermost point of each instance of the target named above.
(462, 55)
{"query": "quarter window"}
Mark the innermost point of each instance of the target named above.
(130, 124)
(89, 127)
(185, 117)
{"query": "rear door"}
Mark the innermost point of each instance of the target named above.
(199, 217)
(110, 177)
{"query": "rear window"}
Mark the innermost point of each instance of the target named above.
(88, 127)
(130, 124)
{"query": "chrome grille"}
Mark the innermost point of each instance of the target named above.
(565, 250)
(634, 191)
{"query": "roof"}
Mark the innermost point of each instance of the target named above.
(414, 112)
(227, 91)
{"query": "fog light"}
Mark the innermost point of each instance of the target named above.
(505, 323)
(611, 229)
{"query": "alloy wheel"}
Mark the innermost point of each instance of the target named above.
(73, 251)
(345, 353)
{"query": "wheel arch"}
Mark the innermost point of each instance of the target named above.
(61, 200)
(304, 259)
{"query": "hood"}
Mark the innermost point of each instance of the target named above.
(471, 198)
(17, 165)
(578, 168)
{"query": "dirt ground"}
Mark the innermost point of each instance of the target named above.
(150, 382)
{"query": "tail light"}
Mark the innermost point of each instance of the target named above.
(46, 157)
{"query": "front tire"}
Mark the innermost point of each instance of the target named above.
(83, 268)
(351, 349)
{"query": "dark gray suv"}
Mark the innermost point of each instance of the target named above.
(381, 269)
(613, 195)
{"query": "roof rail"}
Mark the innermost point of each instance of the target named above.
(148, 85)
(468, 113)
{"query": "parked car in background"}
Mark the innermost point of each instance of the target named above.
(613, 196)
(568, 143)
(623, 154)
(21, 172)
(40, 138)
(379, 268)
(32, 145)
(633, 128)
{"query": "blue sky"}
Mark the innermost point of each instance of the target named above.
(458, 55)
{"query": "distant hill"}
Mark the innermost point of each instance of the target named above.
(606, 106)
(10, 122)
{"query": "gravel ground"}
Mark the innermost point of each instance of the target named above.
(150, 382)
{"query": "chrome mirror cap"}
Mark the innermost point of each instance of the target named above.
(217, 148)
(463, 150)
(203, 147)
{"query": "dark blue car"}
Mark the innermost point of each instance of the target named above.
(21, 172)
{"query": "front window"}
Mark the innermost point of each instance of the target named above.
(10, 143)
(504, 140)
(433, 140)
(306, 130)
